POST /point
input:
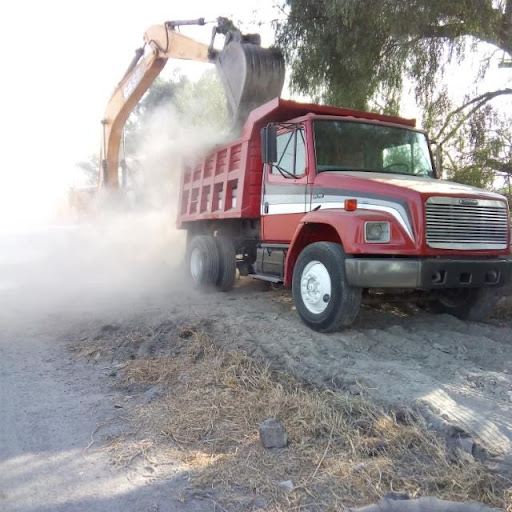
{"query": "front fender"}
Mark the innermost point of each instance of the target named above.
(346, 228)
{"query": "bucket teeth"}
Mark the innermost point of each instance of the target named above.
(251, 76)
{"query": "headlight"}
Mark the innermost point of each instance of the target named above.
(377, 232)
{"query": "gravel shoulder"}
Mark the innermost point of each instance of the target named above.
(459, 374)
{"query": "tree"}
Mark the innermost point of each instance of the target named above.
(199, 104)
(348, 51)
(159, 96)
(203, 103)
(360, 53)
(483, 151)
(89, 170)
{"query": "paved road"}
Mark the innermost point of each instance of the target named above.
(50, 407)
(50, 403)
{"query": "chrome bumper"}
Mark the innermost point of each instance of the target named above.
(427, 274)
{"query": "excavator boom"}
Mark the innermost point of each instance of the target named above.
(251, 75)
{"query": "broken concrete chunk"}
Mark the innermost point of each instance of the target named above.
(287, 485)
(466, 445)
(273, 434)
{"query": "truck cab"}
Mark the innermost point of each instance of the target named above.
(342, 205)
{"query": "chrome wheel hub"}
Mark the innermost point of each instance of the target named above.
(315, 287)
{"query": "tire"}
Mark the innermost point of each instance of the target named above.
(227, 263)
(203, 262)
(474, 304)
(334, 304)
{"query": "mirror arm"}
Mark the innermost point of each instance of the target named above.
(284, 173)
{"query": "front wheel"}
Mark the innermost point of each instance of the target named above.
(323, 298)
(474, 304)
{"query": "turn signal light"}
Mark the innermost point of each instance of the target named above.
(350, 205)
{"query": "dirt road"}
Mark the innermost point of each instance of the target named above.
(51, 402)
(51, 406)
(457, 373)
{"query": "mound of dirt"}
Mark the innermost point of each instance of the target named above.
(202, 406)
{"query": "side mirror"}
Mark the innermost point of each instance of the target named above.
(438, 159)
(269, 144)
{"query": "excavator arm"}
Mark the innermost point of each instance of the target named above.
(250, 74)
(161, 42)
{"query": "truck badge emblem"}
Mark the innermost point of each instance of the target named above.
(471, 202)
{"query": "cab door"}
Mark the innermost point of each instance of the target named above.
(285, 198)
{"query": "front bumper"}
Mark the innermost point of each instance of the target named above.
(427, 274)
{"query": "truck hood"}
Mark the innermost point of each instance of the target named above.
(421, 185)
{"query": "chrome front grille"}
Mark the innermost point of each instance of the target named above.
(465, 223)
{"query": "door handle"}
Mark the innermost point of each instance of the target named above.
(265, 207)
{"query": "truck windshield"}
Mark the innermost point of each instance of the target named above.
(355, 146)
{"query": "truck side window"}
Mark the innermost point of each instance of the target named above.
(300, 154)
(285, 153)
(291, 153)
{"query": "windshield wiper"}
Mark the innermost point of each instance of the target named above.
(406, 174)
(339, 168)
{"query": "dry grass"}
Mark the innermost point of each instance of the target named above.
(342, 451)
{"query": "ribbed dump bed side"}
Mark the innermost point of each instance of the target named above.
(225, 185)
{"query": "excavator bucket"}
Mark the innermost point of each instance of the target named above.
(251, 76)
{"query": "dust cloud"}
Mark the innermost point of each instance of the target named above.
(121, 254)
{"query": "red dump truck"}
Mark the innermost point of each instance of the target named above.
(342, 206)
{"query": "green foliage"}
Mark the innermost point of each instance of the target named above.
(199, 104)
(483, 150)
(203, 103)
(89, 170)
(349, 51)
(360, 53)
(159, 96)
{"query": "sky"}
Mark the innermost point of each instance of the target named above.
(61, 61)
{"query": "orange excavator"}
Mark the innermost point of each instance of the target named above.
(251, 75)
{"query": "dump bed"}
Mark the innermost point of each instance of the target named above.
(227, 183)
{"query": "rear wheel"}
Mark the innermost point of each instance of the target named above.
(227, 263)
(203, 261)
(323, 298)
(474, 304)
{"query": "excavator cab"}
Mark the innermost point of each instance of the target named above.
(251, 75)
